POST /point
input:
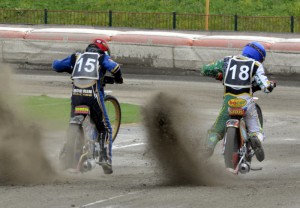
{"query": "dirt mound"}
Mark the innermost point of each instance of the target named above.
(22, 159)
(176, 140)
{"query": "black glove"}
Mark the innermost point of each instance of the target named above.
(118, 77)
(119, 80)
(271, 86)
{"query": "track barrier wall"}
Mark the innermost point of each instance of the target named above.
(38, 47)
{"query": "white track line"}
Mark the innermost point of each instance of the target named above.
(130, 145)
(290, 139)
(104, 200)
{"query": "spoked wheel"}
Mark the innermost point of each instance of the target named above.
(113, 109)
(260, 115)
(231, 154)
(73, 147)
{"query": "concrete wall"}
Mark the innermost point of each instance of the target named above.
(38, 47)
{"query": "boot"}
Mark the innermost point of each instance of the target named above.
(211, 142)
(107, 167)
(258, 149)
(105, 163)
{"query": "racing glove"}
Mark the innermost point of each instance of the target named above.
(118, 77)
(219, 76)
(271, 86)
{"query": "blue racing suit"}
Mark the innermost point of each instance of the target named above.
(87, 72)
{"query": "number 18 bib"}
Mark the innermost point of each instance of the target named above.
(239, 73)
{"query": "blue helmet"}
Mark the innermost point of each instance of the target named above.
(255, 51)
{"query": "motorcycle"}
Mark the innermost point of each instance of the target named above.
(237, 149)
(82, 150)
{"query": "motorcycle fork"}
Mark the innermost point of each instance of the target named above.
(243, 152)
(244, 139)
(245, 155)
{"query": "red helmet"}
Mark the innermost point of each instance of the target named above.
(102, 45)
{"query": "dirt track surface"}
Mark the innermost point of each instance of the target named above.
(139, 180)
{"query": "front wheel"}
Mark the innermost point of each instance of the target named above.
(113, 109)
(231, 155)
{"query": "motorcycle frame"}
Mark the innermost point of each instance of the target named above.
(240, 124)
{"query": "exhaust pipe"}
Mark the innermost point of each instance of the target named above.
(88, 165)
(244, 168)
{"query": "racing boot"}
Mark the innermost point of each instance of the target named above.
(257, 147)
(104, 159)
(211, 142)
(106, 163)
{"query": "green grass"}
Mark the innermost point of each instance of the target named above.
(130, 113)
(246, 7)
(56, 111)
(157, 14)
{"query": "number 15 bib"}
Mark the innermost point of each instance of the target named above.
(86, 66)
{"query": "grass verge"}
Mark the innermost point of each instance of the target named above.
(56, 111)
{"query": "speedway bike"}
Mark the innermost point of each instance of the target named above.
(237, 148)
(82, 150)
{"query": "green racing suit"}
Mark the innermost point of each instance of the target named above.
(241, 76)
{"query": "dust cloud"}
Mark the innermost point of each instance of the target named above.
(22, 159)
(176, 141)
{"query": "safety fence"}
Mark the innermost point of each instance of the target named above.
(150, 20)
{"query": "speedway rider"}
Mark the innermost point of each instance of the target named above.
(87, 70)
(241, 75)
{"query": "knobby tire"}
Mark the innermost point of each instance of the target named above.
(259, 114)
(231, 148)
(113, 109)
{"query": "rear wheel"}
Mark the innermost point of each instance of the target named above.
(113, 109)
(259, 113)
(73, 146)
(231, 154)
